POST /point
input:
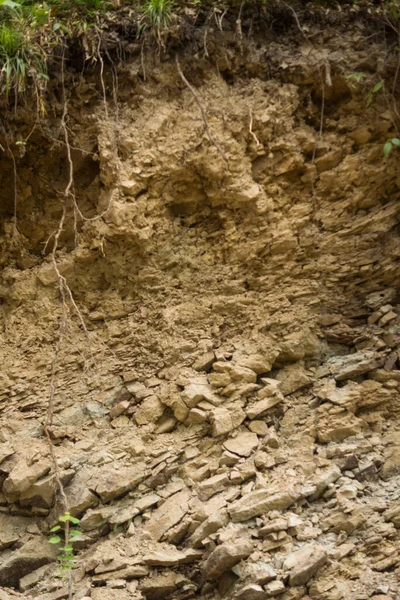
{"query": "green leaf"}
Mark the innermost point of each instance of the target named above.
(68, 517)
(74, 520)
(55, 539)
(10, 4)
(57, 527)
(387, 148)
(395, 141)
(377, 87)
(73, 532)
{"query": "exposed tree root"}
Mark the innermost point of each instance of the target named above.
(203, 112)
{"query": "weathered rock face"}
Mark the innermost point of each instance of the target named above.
(228, 424)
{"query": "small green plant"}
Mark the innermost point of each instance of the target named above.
(67, 539)
(20, 59)
(373, 91)
(388, 147)
(355, 78)
(158, 14)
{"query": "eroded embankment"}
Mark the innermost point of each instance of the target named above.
(229, 427)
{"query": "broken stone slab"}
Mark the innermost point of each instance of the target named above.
(119, 409)
(352, 365)
(23, 476)
(274, 588)
(251, 591)
(226, 419)
(320, 482)
(197, 391)
(391, 466)
(204, 362)
(335, 424)
(31, 579)
(6, 450)
(236, 372)
(292, 378)
(149, 410)
(257, 362)
(95, 518)
(299, 345)
(258, 503)
(161, 586)
(243, 444)
(208, 527)
(127, 573)
(15, 564)
(258, 572)
(11, 529)
(111, 483)
(213, 485)
(224, 557)
(168, 514)
(171, 557)
(304, 563)
(256, 409)
(42, 492)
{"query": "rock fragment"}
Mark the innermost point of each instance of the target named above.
(304, 564)
(224, 557)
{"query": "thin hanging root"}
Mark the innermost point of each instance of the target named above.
(103, 87)
(15, 182)
(253, 135)
(203, 112)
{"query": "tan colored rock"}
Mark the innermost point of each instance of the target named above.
(6, 450)
(256, 409)
(256, 362)
(292, 378)
(335, 424)
(17, 563)
(258, 503)
(149, 411)
(274, 588)
(219, 379)
(299, 345)
(171, 557)
(213, 485)
(111, 483)
(224, 420)
(304, 564)
(11, 529)
(161, 586)
(28, 581)
(204, 362)
(168, 514)
(243, 444)
(208, 527)
(258, 427)
(251, 591)
(119, 409)
(224, 557)
(391, 466)
(23, 476)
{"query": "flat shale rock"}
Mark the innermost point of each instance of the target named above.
(14, 564)
(258, 503)
(224, 557)
(304, 564)
(243, 444)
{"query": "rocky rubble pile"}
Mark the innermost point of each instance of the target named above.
(252, 474)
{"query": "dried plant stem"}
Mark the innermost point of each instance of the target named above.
(203, 112)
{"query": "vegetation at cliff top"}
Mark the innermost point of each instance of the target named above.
(35, 35)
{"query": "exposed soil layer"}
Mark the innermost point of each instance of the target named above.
(227, 419)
